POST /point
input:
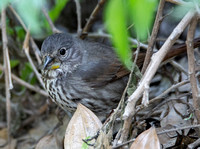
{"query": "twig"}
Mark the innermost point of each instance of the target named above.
(5, 51)
(177, 129)
(178, 66)
(91, 18)
(180, 48)
(53, 28)
(26, 50)
(78, 12)
(191, 67)
(117, 138)
(104, 35)
(8, 80)
(31, 119)
(194, 144)
(178, 2)
(122, 144)
(196, 4)
(145, 98)
(29, 86)
(154, 64)
(153, 35)
(128, 122)
(112, 118)
(174, 51)
(25, 84)
(35, 47)
(169, 90)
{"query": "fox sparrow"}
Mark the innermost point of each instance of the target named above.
(87, 72)
(80, 71)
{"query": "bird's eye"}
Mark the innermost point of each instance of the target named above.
(62, 51)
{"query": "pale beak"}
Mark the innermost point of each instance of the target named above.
(47, 62)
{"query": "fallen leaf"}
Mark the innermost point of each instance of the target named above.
(84, 124)
(147, 140)
(4, 133)
(48, 142)
(5, 145)
(102, 141)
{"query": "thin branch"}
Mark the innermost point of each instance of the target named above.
(162, 95)
(191, 67)
(29, 86)
(104, 35)
(53, 28)
(180, 48)
(177, 129)
(92, 18)
(25, 84)
(153, 35)
(122, 144)
(78, 12)
(120, 106)
(31, 119)
(174, 51)
(167, 131)
(8, 80)
(116, 138)
(194, 144)
(173, 87)
(26, 50)
(128, 122)
(153, 66)
(155, 62)
(178, 66)
(35, 47)
(178, 2)
(169, 90)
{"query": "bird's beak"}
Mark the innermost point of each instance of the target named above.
(47, 61)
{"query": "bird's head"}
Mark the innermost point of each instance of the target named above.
(59, 54)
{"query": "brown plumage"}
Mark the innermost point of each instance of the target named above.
(86, 72)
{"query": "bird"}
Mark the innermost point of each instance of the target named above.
(78, 71)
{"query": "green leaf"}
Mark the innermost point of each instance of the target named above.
(84, 145)
(27, 74)
(188, 118)
(115, 18)
(4, 3)
(14, 63)
(181, 10)
(142, 13)
(55, 12)
(20, 32)
(30, 11)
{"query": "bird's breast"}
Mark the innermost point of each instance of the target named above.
(57, 91)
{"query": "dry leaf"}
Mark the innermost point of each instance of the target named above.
(102, 141)
(4, 144)
(84, 124)
(4, 133)
(48, 142)
(147, 140)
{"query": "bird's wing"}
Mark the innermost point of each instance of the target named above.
(101, 67)
(102, 72)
